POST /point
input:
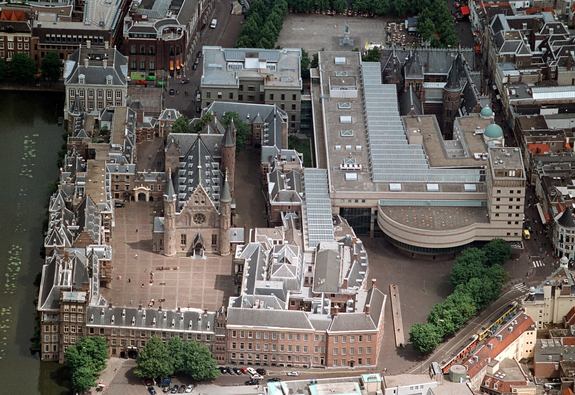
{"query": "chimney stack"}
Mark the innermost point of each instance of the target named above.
(88, 43)
(106, 44)
(336, 310)
(373, 283)
(105, 63)
(86, 62)
(367, 309)
(345, 283)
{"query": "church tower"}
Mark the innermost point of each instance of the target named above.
(170, 198)
(225, 218)
(228, 164)
(451, 100)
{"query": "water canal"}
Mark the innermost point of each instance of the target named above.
(30, 138)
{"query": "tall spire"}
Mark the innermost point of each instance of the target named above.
(226, 196)
(229, 136)
(170, 193)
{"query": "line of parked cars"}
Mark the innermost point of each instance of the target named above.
(255, 374)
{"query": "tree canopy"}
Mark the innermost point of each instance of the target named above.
(182, 125)
(204, 120)
(372, 55)
(23, 67)
(478, 277)
(243, 130)
(86, 360)
(51, 66)
(263, 24)
(305, 63)
(159, 359)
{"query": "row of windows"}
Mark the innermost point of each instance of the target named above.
(20, 46)
(18, 38)
(73, 39)
(510, 199)
(73, 308)
(274, 358)
(151, 51)
(274, 335)
(73, 317)
(344, 362)
(351, 350)
(510, 207)
(99, 92)
(164, 335)
(282, 96)
(133, 65)
(510, 191)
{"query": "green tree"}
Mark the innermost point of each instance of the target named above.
(400, 7)
(198, 361)
(86, 360)
(314, 64)
(175, 348)
(51, 66)
(204, 120)
(23, 67)
(83, 379)
(497, 252)
(380, 7)
(372, 55)
(424, 337)
(3, 69)
(339, 5)
(305, 61)
(182, 125)
(154, 360)
(243, 130)
(471, 263)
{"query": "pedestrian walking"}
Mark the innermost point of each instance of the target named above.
(129, 280)
(136, 230)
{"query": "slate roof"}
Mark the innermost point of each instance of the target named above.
(269, 319)
(566, 219)
(326, 268)
(284, 187)
(408, 100)
(95, 74)
(199, 168)
(187, 320)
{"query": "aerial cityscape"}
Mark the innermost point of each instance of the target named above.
(291, 197)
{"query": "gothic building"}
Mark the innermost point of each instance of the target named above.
(198, 197)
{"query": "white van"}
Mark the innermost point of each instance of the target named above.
(214, 23)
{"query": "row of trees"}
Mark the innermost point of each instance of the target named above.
(263, 24)
(159, 359)
(478, 276)
(86, 360)
(243, 130)
(23, 69)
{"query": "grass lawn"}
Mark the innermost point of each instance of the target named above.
(303, 146)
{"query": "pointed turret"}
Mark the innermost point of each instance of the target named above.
(225, 217)
(228, 164)
(226, 196)
(453, 77)
(230, 135)
(170, 194)
(170, 198)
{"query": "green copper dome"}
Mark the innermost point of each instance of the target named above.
(493, 131)
(486, 112)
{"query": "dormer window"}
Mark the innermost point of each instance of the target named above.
(81, 79)
(109, 80)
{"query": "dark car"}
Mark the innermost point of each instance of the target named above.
(261, 371)
(242, 2)
(199, 54)
(237, 371)
(185, 80)
(119, 204)
(198, 109)
(194, 66)
(175, 389)
(274, 380)
(222, 369)
(182, 389)
(197, 61)
(151, 390)
(252, 382)
(172, 91)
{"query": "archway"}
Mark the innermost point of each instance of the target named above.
(142, 197)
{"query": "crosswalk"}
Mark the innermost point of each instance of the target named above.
(521, 287)
(538, 264)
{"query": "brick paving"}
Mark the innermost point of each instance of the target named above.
(184, 282)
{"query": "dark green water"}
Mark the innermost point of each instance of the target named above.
(29, 142)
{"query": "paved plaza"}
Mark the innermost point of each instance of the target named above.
(177, 281)
(314, 32)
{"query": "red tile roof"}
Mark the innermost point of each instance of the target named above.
(570, 316)
(483, 353)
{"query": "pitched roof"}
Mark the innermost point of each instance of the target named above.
(566, 218)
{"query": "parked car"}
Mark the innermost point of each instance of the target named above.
(175, 389)
(214, 23)
(261, 371)
(189, 388)
(257, 377)
(199, 54)
(141, 82)
(237, 371)
(182, 389)
(293, 374)
(185, 80)
(171, 92)
(151, 390)
(119, 204)
(194, 66)
(252, 382)
(166, 389)
(274, 380)
(198, 97)
(244, 370)
(222, 369)
(197, 61)
(251, 371)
